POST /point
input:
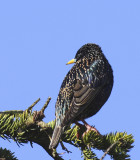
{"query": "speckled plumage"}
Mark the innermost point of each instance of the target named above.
(84, 90)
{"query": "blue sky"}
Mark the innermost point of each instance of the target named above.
(37, 38)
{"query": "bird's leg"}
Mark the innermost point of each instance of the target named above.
(89, 128)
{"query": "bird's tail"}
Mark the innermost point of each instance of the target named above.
(58, 130)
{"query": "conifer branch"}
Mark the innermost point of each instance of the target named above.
(28, 126)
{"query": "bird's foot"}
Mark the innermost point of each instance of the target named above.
(90, 128)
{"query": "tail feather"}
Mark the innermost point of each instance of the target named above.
(58, 130)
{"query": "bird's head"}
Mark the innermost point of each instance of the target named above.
(87, 51)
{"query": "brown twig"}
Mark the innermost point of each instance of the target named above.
(108, 149)
(46, 104)
(12, 112)
(64, 148)
(39, 115)
(29, 108)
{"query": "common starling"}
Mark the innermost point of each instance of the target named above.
(85, 89)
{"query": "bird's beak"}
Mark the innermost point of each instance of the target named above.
(72, 61)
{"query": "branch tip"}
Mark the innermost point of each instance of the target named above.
(46, 104)
(29, 108)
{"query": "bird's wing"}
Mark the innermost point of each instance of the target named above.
(85, 91)
(81, 99)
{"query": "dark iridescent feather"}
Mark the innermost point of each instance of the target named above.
(84, 90)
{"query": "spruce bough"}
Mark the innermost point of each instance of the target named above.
(28, 126)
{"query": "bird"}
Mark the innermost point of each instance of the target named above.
(84, 90)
